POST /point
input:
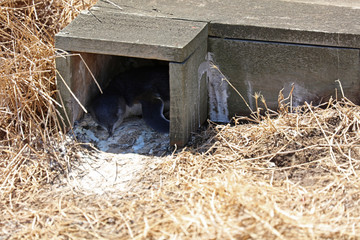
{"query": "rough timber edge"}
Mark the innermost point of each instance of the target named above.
(141, 44)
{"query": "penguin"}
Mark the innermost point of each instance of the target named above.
(147, 86)
(108, 110)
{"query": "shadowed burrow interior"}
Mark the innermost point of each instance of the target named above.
(129, 86)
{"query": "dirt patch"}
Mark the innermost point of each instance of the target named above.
(115, 163)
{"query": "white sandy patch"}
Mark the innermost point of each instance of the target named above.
(120, 159)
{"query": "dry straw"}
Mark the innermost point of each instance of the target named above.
(289, 175)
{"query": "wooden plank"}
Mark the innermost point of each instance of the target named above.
(188, 97)
(73, 73)
(267, 68)
(326, 23)
(120, 34)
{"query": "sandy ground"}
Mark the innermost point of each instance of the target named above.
(114, 163)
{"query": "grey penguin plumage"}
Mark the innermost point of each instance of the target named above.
(148, 86)
(108, 110)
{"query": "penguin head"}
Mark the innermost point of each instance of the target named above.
(108, 111)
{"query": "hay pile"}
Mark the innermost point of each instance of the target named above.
(292, 176)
